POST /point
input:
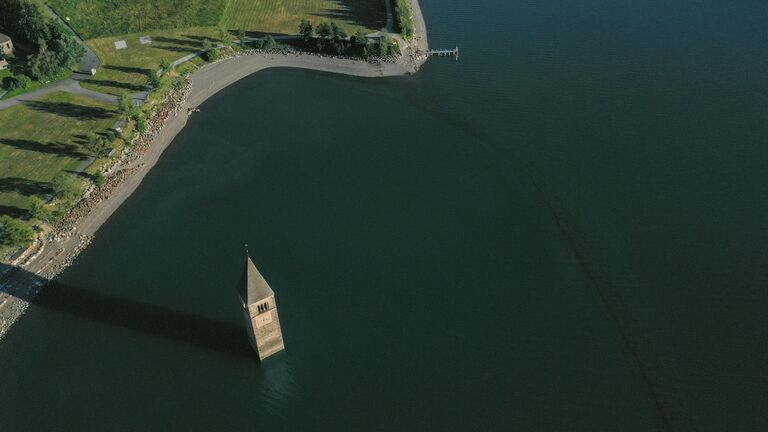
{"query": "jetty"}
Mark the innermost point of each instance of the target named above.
(260, 311)
(444, 52)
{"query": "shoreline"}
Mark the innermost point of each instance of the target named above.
(57, 253)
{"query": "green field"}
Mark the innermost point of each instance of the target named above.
(284, 16)
(97, 18)
(42, 138)
(127, 70)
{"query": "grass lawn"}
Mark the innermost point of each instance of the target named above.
(98, 18)
(177, 28)
(284, 16)
(42, 138)
(127, 70)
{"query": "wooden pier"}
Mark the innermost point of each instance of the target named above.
(444, 53)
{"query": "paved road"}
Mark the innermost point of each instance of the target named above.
(90, 60)
(70, 85)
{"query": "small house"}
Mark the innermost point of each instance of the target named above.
(6, 46)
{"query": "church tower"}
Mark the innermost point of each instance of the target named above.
(260, 312)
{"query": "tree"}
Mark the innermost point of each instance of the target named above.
(359, 42)
(125, 105)
(23, 80)
(99, 146)
(165, 65)
(25, 22)
(40, 210)
(270, 43)
(306, 30)
(371, 50)
(14, 233)
(98, 178)
(154, 79)
(211, 53)
(340, 34)
(404, 18)
(339, 38)
(241, 36)
(225, 36)
(383, 49)
(16, 82)
(324, 30)
(54, 47)
(66, 187)
(335, 29)
(394, 48)
(68, 50)
(42, 66)
(54, 57)
(141, 124)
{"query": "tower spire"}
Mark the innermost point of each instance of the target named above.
(260, 310)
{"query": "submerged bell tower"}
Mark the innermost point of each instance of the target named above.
(260, 310)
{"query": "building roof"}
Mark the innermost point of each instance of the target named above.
(253, 288)
(4, 38)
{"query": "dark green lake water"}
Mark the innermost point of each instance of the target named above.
(564, 231)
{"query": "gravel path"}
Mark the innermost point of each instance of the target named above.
(70, 85)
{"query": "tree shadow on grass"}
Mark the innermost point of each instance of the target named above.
(194, 43)
(371, 14)
(67, 109)
(24, 186)
(188, 50)
(83, 139)
(149, 319)
(82, 174)
(199, 38)
(114, 84)
(127, 69)
(80, 139)
(261, 34)
(13, 212)
(59, 149)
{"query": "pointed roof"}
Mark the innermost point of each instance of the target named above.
(253, 288)
(4, 38)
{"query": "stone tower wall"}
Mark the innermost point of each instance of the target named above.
(266, 328)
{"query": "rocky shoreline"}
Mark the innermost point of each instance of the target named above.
(60, 247)
(16, 302)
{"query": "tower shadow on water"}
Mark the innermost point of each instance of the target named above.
(152, 320)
